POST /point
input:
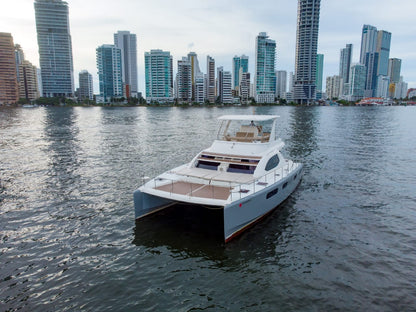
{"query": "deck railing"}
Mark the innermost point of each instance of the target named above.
(236, 191)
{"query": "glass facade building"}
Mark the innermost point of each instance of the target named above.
(55, 48)
(265, 75)
(319, 71)
(159, 76)
(368, 41)
(383, 48)
(239, 62)
(109, 72)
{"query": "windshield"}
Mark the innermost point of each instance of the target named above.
(245, 131)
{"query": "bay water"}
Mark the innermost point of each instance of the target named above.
(344, 241)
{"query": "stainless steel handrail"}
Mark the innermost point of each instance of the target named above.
(281, 172)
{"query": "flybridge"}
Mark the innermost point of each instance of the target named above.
(247, 128)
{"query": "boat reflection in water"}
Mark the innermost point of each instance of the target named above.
(243, 175)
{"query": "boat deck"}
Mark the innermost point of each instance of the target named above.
(215, 175)
(196, 190)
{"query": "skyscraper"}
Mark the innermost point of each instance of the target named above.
(159, 76)
(383, 49)
(357, 82)
(319, 71)
(239, 62)
(265, 76)
(85, 86)
(306, 50)
(184, 81)
(368, 41)
(210, 79)
(128, 44)
(55, 48)
(109, 72)
(224, 86)
(344, 68)
(395, 65)
(244, 86)
(200, 88)
(193, 59)
(9, 92)
(281, 83)
(28, 82)
(382, 90)
(332, 87)
(371, 64)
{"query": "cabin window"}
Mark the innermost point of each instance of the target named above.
(241, 168)
(272, 163)
(207, 165)
(272, 193)
(208, 156)
(284, 185)
(295, 177)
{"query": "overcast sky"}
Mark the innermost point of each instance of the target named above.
(219, 28)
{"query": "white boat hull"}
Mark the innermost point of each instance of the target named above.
(238, 215)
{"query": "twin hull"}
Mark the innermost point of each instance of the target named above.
(239, 214)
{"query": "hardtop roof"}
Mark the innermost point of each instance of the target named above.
(248, 117)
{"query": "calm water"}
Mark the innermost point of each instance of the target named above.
(345, 240)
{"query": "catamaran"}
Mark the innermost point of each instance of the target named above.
(242, 173)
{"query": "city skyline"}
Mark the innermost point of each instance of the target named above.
(187, 28)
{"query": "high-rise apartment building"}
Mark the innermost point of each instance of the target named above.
(224, 86)
(371, 64)
(244, 86)
(383, 49)
(319, 71)
(344, 67)
(265, 76)
(20, 57)
(9, 91)
(333, 87)
(210, 89)
(109, 72)
(159, 76)
(127, 43)
(193, 59)
(200, 87)
(382, 90)
(368, 41)
(281, 83)
(184, 81)
(55, 48)
(306, 50)
(238, 63)
(395, 65)
(357, 82)
(86, 90)
(28, 82)
(400, 89)
(375, 46)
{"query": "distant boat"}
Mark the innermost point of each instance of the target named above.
(29, 106)
(243, 174)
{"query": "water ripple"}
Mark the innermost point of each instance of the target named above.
(68, 241)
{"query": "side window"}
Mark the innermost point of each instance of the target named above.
(272, 163)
